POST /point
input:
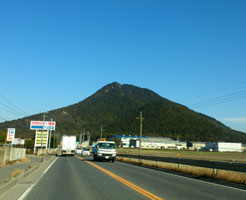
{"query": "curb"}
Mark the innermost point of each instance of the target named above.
(4, 187)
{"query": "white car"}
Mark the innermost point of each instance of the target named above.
(86, 152)
(78, 151)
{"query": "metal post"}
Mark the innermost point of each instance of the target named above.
(35, 143)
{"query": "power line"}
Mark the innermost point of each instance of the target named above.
(3, 119)
(13, 105)
(221, 89)
(8, 109)
(222, 99)
(234, 94)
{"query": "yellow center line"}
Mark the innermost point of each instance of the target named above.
(127, 183)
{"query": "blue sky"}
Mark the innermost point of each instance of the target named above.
(56, 53)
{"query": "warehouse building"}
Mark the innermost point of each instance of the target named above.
(223, 147)
(197, 146)
(128, 141)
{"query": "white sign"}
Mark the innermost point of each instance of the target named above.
(16, 141)
(40, 125)
(11, 134)
(22, 142)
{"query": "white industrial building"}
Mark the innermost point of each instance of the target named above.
(152, 143)
(168, 143)
(224, 147)
(197, 146)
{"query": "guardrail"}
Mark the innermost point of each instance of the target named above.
(238, 167)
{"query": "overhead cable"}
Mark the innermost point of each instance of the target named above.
(8, 109)
(14, 105)
(222, 99)
(3, 119)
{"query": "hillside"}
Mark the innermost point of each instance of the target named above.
(116, 107)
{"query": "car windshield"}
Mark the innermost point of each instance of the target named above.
(106, 146)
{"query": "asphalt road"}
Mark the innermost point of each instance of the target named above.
(72, 178)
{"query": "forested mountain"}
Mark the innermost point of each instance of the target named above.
(115, 107)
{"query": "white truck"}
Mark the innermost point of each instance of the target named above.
(68, 145)
(104, 150)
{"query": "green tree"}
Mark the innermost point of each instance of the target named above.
(2, 137)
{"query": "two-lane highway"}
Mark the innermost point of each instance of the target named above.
(73, 178)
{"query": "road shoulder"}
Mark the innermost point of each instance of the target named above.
(14, 188)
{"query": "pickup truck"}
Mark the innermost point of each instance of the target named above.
(104, 150)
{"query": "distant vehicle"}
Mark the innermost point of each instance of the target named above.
(68, 146)
(78, 150)
(86, 152)
(104, 150)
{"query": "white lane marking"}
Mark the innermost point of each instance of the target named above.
(23, 196)
(207, 182)
(49, 166)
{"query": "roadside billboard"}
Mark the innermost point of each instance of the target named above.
(40, 125)
(16, 141)
(10, 134)
(41, 139)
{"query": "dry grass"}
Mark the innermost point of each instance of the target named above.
(16, 173)
(25, 160)
(2, 164)
(236, 177)
(17, 161)
(199, 155)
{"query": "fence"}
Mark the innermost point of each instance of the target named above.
(238, 167)
(45, 152)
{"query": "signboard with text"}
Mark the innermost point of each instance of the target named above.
(40, 125)
(10, 134)
(41, 139)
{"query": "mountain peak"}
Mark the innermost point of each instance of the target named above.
(116, 106)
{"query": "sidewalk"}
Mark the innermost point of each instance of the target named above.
(7, 170)
(13, 188)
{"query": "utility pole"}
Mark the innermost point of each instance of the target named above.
(50, 132)
(54, 139)
(88, 136)
(43, 129)
(102, 131)
(6, 136)
(80, 138)
(141, 132)
(83, 135)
